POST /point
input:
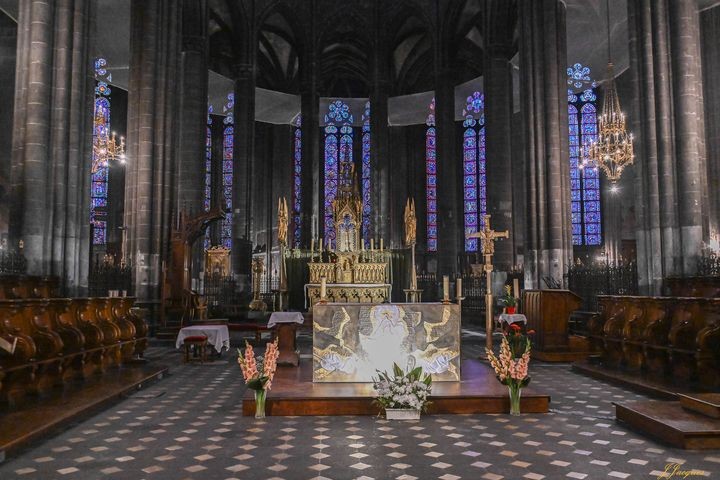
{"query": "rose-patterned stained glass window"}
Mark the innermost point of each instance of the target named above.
(338, 149)
(474, 178)
(297, 183)
(227, 172)
(366, 176)
(99, 180)
(431, 179)
(586, 215)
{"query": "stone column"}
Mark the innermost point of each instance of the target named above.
(498, 112)
(193, 108)
(151, 201)
(450, 221)
(544, 116)
(52, 131)
(667, 89)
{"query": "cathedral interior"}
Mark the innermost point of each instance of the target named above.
(257, 169)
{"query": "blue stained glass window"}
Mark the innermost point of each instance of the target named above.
(431, 179)
(227, 171)
(338, 148)
(366, 176)
(100, 170)
(474, 178)
(297, 183)
(584, 178)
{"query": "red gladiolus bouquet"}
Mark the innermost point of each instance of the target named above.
(258, 373)
(511, 366)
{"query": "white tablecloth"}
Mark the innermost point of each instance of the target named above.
(218, 335)
(285, 317)
(514, 318)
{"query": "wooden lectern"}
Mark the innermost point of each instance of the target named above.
(548, 313)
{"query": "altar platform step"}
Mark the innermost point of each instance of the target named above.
(671, 422)
(294, 393)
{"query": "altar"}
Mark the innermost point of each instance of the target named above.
(351, 342)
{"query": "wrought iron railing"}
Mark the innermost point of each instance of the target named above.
(709, 264)
(12, 262)
(104, 277)
(590, 281)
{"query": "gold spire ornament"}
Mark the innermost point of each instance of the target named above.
(612, 150)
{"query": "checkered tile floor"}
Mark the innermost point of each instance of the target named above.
(189, 426)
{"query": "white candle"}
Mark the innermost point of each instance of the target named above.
(321, 244)
(362, 245)
(323, 287)
(516, 288)
(381, 244)
(372, 244)
(312, 248)
(458, 287)
(446, 288)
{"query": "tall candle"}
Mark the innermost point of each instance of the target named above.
(321, 245)
(362, 245)
(458, 287)
(381, 244)
(446, 288)
(312, 248)
(372, 244)
(323, 288)
(516, 288)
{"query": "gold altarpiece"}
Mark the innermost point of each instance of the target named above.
(353, 274)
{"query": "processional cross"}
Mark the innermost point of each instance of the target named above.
(487, 238)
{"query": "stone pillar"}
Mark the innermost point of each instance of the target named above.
(52, 138)
(450, 221)
(151, 201)
(243, 171)
(498, 112)
(666, 88)
(193, 107)
(544, 122)
(8, 60)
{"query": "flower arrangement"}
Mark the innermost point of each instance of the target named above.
(511, 366)
(509, 300)
(403, 390)
(259, 372)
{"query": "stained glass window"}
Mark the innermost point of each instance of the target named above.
(338, 148)
(431, 179)
(227, 172)
(585, 208)
(297, 183)
(474, 179)
(366, 175)
(208, 172)
(100, 170)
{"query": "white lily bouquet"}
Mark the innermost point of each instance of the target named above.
(404, 392)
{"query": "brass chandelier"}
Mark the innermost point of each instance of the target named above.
(612, 150)
(106, 147)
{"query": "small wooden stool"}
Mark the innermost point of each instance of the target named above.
(199, 342)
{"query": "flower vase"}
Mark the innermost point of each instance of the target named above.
(514, 391)
(402, 414)
(260, 396)
(510, 310)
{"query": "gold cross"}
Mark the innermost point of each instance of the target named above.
(488, 236)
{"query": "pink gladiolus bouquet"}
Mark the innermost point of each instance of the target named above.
(259, 372)
(511, 366)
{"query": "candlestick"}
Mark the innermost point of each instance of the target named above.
(323, 289)
(446, 289)
(458, 288)
(516, 288)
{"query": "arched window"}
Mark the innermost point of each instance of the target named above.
(584, 176)
(366, 175)
(227, 172)
(338, 149)
(474, 179)
(100, 169)
(297, 182)
(431, 179)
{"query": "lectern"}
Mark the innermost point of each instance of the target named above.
(548, 313)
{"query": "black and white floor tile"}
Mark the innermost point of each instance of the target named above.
(189, 426)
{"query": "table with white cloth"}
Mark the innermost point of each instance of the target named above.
(218, 335)
(511, 318)
(286, 326)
